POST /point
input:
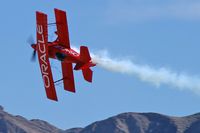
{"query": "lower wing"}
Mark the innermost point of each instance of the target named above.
(68, 77)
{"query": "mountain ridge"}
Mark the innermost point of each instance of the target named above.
(128, 122)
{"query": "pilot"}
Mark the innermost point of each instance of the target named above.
(60, 56)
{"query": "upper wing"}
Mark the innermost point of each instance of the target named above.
(62, 28)
(68, 77)
(42, 49)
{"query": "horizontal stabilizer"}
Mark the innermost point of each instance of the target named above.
(87, 74)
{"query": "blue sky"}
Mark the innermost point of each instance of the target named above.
(157, 33)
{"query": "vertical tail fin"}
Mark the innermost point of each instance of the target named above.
(84, 57)
(84, 54)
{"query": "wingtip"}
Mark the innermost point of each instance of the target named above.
(71, 90)
(53, 98)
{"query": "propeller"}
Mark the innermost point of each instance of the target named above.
(33, 57)
(32, 43)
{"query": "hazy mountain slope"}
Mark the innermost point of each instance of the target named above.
(145, 123)
(18, 124)
(73, 130)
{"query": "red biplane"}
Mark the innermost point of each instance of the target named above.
(60, 50)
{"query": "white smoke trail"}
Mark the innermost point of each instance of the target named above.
(148, 74)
